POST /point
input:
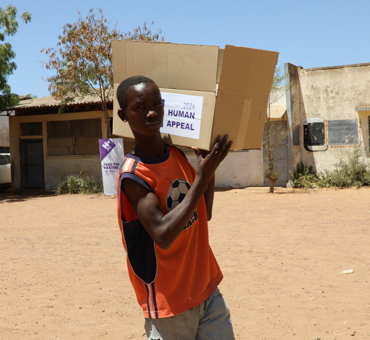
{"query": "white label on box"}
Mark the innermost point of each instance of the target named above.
(182, 114)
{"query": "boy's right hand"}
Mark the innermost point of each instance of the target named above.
(208, 165)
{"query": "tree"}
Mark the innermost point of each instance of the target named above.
(83, 59)
(8, 27)
(274, 140)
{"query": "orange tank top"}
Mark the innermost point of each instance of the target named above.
(166, 282)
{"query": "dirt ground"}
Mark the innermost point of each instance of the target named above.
(63, 271)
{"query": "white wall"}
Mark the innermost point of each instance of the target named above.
(239, 169)
(57, 169)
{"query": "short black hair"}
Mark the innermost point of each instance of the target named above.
(125, 85)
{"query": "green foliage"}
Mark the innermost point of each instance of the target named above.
(144, 33)
(82, 59)
(351, 170)
(29, 95)
(304, 177)
(278, 78)
(78, 184)
(8, 27)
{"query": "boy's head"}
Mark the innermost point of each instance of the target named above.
(125, 85)
(141, 105)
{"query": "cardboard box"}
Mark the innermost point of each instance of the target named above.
(232, 85)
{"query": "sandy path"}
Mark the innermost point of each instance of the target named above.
(63, 269)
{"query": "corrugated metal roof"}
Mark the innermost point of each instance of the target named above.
(51, 102)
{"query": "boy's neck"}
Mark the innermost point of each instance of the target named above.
(149, 149)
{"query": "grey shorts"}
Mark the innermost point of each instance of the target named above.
(208, 321)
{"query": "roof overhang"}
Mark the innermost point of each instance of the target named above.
(276, 111)
(364, 107)
(43, 105)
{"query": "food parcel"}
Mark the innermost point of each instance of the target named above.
(207, 91)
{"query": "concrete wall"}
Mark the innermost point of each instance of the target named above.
(331, 94)
(239, 169)
(56, 168)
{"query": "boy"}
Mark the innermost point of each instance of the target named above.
(165, 232)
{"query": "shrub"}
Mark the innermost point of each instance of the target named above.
(304, 177)
(78, 184)
(351, 170)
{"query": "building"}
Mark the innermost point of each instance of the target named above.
(328, 111)
(46, 146)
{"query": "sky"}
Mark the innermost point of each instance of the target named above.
(314, 33)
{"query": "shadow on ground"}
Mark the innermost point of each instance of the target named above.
(24, 195)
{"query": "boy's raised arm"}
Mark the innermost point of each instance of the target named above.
(164, 229)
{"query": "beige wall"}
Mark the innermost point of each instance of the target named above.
(239, 169)
(331, 93)
(55, 167)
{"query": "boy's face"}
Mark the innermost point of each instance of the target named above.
(144, 109)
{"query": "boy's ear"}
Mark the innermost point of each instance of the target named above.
(122, 115)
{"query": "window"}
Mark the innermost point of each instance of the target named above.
(74, 137)
(31, 129)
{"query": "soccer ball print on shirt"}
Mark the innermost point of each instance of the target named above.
(176, 194)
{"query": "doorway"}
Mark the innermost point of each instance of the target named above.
(32, 164)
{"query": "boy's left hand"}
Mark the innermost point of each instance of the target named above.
(218, 152)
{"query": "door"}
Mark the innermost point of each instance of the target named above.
(32, 164)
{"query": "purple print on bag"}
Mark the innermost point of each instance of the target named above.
(106, 145)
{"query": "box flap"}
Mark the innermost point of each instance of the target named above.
(177, 66)
(247, 70)
(242, 96)
(245, 128)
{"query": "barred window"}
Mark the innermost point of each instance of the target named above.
(74, 137)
